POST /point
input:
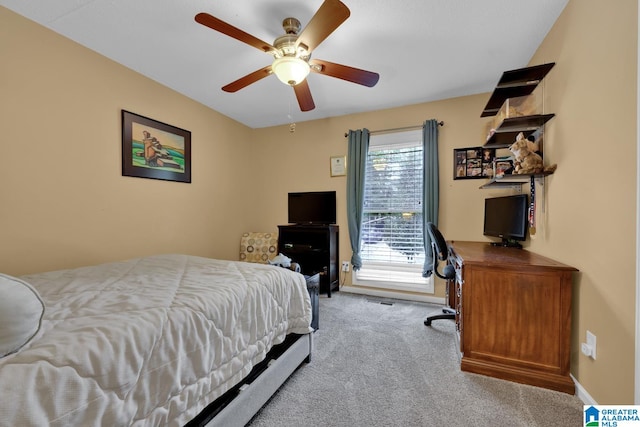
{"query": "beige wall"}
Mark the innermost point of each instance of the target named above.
(303, 158)
(590, 218)
(65, 202)
(306, 154)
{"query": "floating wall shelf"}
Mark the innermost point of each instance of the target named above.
(506, 133)
(513, 180)
(515, 83)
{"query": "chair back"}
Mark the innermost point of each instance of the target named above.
(440, 252)
(437, 240)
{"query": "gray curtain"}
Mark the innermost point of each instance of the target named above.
(356, 164)
(431, 196)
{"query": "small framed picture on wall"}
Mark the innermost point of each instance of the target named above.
(473, 162)
(338, 166)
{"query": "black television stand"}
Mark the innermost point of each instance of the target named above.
(315, 248)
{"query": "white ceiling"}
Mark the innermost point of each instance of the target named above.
(424, 50)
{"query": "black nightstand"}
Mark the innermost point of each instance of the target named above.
(313, 286)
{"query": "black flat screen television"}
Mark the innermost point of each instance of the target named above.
(506, 218)
(312, 207)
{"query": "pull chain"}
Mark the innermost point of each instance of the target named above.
(292, 124)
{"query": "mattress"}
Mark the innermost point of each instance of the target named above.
(149, 341)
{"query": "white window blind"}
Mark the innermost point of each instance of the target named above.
(392, 245)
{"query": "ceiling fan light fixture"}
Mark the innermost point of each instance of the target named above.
(290, 70)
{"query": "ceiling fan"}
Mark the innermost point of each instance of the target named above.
(292, 52)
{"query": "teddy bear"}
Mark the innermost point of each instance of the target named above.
(527, 161)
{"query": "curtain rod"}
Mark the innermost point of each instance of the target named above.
(440, 123)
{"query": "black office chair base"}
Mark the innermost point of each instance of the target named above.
(448, 313)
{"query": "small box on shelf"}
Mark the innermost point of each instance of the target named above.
(521, 106)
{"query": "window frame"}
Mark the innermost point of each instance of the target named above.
(388, 275)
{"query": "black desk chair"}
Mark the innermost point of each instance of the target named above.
(440, 253)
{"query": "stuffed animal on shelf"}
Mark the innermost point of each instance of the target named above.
(527, 161)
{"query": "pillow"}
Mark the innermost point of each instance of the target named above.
(21, 311)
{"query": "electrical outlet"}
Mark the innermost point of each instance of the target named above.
(589, 348)
(591, 342)
(345, 266)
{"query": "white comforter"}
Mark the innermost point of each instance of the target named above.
(149, 341)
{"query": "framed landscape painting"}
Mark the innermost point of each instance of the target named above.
(156, 150)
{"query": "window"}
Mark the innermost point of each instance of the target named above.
(392, 244)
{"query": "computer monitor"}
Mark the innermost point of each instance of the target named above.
(506, 217)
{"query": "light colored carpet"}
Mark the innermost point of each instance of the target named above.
(378, 365)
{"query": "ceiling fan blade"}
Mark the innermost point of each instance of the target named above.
(245, 81)
(355, 75)
(231, 31)
(303, 94)
(331, 14)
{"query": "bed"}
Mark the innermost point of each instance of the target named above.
(159, 340)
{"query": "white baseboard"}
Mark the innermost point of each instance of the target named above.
(582, 393)
(390, 294)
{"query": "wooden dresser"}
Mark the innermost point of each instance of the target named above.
(513, 314)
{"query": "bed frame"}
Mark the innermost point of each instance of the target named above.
(239, 405)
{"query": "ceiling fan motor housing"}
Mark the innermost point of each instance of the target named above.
(291, 25)
(286, 44)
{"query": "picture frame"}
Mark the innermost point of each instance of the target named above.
(338, 165)
(473, 162)
(155, 150)
(503, 166)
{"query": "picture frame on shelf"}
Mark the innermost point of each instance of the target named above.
(473, 162)
(503, 166)
(155, 150)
